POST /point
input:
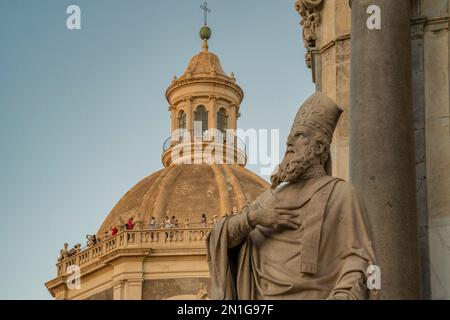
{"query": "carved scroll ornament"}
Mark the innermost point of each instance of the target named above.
(309, 10)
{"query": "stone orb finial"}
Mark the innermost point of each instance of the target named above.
(205, 33)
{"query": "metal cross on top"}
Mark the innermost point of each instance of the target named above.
(207, 10)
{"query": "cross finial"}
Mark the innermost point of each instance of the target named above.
(207, 10)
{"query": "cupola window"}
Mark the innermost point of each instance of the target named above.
(222, 121)
(201, 115)
(182, 120)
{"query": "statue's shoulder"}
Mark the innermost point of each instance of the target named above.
(266, 199)
(344, 186)
(344, 191)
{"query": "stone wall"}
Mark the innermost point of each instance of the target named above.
(331, 70)
(437, 141)
(104, 295)
(163, 289)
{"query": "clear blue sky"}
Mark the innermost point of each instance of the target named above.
(83, 114)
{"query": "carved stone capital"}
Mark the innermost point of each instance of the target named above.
(309, 11)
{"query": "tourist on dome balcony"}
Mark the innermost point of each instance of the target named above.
(76, 249)
(173, 222)
(152, 224)
(167, 222)
(92, 240)
(130, 224)
(203, 221)
(114, 231)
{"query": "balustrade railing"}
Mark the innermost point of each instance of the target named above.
(192, 237)
(189, 136)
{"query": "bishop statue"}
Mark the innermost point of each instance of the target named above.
(307, 237)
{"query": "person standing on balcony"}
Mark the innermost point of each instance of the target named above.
(130, 224)
(152, 224)
(167, 222)
(203, 220)
(114, 231)
(173, 222)
(91, 240)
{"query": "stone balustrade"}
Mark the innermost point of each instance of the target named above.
(179, 238)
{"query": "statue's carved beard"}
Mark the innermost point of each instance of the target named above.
(293, 167)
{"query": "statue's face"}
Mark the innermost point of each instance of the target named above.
(298, 140)
(302, 153)
(302, 143)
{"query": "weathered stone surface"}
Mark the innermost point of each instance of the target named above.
(439, 237)
(437, 140)
(168, 288)
(418, 86)
(382, 142)
(437, 119)
(104, 295)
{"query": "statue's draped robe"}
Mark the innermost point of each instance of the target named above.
(327, 257)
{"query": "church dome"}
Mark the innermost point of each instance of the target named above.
(204, 173)
(186, 192)
(203, 64)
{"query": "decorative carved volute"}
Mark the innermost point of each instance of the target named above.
(309, 11)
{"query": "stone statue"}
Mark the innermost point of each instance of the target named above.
(64, 253)
(307, 238)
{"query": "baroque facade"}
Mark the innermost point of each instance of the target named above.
(327, 33)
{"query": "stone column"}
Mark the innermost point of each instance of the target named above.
(418, 85)
(189, 114)
(173, 118)
(128, 278)
(118, 290)
(382, 143)
(212, 117)
(232, 117)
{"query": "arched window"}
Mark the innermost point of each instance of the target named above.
(222, 120)
(202, 115)
(182, 120)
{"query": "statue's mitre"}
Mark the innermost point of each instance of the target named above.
(320, 113)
